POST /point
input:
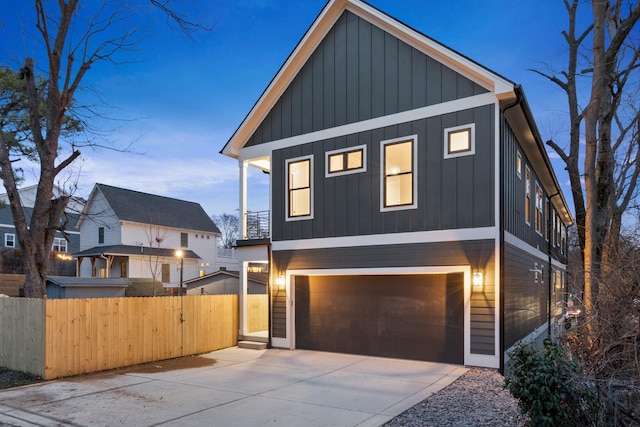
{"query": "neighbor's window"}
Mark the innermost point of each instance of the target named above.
(299, 188)
(101, 235)
(166, 273)
(519, 165)
(345, 161)
(9, 240)
(184, 240)
(398, 173)
(459, 141)
(123, 269)
(539, 209)
(59, 244)
(548, 219)
(527, 195)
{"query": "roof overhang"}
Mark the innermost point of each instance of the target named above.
(520, 118)
(318, 31)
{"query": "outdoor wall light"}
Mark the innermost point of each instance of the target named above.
(280, 281)
(478, 279)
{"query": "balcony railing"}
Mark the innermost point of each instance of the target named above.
(256, 225)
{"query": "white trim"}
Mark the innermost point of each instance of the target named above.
(469, 359)
(453, 235)
(472, 141)
(470, 102)
(286, 186)
(524, 246)
(414, 173)
(14, 240)
(362, 148)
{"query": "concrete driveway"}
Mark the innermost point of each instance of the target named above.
(233, 387)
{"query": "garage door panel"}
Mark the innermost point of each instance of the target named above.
(405, 316)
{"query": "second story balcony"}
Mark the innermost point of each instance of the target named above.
(256, 225)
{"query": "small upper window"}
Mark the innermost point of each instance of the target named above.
(459, 141)
(519, 165)
(345, 161)
(184, 240)
(101, 235)
(10, 240)
(538, 218)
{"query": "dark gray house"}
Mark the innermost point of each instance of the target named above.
(414, 212)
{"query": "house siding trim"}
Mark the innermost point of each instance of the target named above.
(469, 358)
(451, 235)
(454, 106)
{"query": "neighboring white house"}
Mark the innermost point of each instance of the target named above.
(126, 233)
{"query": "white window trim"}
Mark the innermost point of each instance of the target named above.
(286, 187)
(519, 165)
(472, 143)
(414, 142)
(5, 240)
(328, 174)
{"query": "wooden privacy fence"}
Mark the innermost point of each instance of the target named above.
(62, 337)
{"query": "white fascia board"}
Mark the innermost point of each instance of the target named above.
(294, 63)
(317, 32)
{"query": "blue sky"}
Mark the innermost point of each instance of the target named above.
(178, 100)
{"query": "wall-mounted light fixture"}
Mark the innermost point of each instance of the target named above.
(280, 281)
(478, 279)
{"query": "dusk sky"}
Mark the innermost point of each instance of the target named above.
(178, 100)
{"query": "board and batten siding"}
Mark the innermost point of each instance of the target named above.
(479, 254)
(525, 301)
(359, 72)
(451, 193)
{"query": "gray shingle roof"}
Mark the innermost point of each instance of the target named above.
(135, 206)
(134, 250)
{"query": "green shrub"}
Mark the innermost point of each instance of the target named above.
(548, 387)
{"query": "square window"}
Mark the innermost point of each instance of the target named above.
(398, 174)
(459, 141)
(299, 197)
(345, 161)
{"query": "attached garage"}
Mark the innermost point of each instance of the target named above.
(409, 316)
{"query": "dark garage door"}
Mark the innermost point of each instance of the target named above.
(418, 317)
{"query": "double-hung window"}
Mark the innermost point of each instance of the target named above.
(398, 174)
(9, 240)
(299, 196)
(59, 244)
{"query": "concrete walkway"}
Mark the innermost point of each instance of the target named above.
(234, 387)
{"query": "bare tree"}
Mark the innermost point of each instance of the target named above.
(155, 238)
(73, 44)
(229, 227)
(606, 53)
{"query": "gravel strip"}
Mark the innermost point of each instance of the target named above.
(477, 398)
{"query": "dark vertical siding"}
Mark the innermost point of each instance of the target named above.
(359, 72)
(525, 302)
(451, 193)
